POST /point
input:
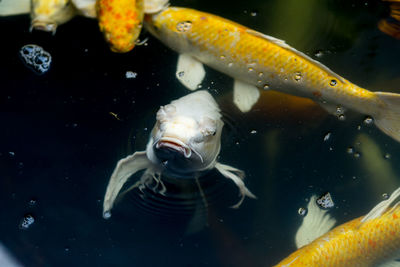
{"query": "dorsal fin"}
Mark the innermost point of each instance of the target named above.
(284, 45)
(383, 206)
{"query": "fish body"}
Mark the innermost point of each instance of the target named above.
(183, 144)
(121, 22)
(264, 62)
(371, 240)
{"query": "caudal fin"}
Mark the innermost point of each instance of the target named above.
(388, 118)
(14, 7)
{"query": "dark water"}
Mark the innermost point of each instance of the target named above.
(59, 143)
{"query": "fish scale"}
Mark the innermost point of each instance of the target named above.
(266, 62)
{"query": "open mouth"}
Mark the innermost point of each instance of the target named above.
(174, 145)
(43, 26)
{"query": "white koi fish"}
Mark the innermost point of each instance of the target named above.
(184, 143)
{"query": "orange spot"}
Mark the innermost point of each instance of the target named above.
(203, 18)
(394, 216)
(317, 94)
(372, 243)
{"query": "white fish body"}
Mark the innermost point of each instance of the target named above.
(184, 143)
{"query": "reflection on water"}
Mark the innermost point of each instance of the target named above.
(59, 143)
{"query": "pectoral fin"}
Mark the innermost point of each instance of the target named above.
(236, 176)
(190, 72)
(124, 169)
(14, 7)
(244, 95)
(86, 8)
(155, 6)
(316, 223)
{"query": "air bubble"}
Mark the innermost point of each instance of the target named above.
(253, 13)
(333, 82)
(130, 75)
(342, 117)
(184, 26)
(260, 74)
(385, 196)
(297, 76)
(230, 64)
(181, 74)
(107, 215)
(350, 150)
(222, 57)
(26, 222)
(387, 156)
(327, 136)
(368, 120)
(302, 211)
(318, 54)
(266, 86)
(36, 58)
(250, 69)
(253, 132)
(357, 155)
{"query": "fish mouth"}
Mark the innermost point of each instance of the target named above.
(46, 26)
(174, 145)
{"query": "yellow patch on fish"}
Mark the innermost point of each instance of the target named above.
(121, 22)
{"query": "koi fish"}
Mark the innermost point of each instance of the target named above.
(47, 15)
(258, 61)
(121, 21)
(370, 240)
(184, 143)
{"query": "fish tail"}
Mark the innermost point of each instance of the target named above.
(387, 118)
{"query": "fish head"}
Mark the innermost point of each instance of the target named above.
(48, 14)
(172, 25)
(121, 22)
(185, 142)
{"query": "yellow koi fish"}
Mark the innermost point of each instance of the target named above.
(121, 20)
(371, 240)
(47, 15)
(256, 60)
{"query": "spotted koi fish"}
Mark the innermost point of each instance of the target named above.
(370, 240)
(258, 61)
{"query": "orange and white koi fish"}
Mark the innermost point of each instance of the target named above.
(121, 20)
(371, 240)
(256, 60)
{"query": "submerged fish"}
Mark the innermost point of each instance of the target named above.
(184, 143)
(391, 26)
(260, 61)
(371, 240)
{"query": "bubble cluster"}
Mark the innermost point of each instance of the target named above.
(26, 222)
(36, 58)
(130, 75)
(325, 201)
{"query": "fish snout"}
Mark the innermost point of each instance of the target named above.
(171, 146)
(42, 25)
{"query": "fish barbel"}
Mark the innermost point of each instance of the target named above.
(370, 240)
(256, 60)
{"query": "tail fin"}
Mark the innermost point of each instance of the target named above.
(14, 7)
(388, 118)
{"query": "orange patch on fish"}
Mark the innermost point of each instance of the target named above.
(121, 22)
